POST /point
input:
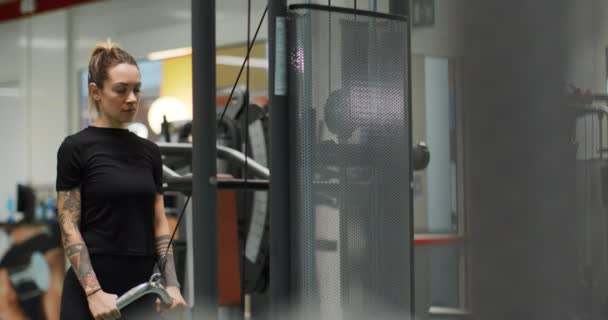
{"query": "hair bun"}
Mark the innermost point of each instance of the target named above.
(106, 46)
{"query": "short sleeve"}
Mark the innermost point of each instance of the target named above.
(158, 169)
(69, 167)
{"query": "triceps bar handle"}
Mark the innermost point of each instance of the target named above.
(153, 286)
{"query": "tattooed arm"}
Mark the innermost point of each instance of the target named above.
(102, 305)
(163, 236)
(75, 249)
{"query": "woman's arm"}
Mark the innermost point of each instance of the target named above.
(68, 204)
(101, 304)
(163, 237)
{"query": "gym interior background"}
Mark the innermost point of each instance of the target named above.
(510, 217)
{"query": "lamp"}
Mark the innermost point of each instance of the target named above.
(171, 107)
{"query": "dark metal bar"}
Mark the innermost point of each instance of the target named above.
(235, 156)
(346, 10)
(400, 7)
(280, 290)
(175, 149)
(223, 152)
(204, 218)
(179, 184)
(591, 109)
(600, 97)
(184, 184)
(250, 184)
(601, 121)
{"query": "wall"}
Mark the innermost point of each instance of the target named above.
(446, 36)
(35, 59)
(13, 146)
(13, 158)
(46, 83)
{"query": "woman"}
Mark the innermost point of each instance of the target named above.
(110, 200)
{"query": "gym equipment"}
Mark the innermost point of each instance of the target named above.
(349, 144)
(255, 278)
(174, 181)
(421, 156)
(592, 198)
(32, 279)
(384, 176)
(153, 286)
(184, 150)
(26, 201)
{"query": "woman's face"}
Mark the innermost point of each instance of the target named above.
(119, 98)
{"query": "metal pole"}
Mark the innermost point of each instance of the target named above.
(204, 240)
(399, 7)
(280, 290)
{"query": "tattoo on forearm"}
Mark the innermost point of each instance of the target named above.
(81, 263)
(161, 245)
(169, 265)
(69, 215)
(72, 201)
(75, 249)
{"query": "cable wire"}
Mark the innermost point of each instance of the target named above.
(244, 62)
(245, 192)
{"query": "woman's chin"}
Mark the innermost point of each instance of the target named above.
(127, 119)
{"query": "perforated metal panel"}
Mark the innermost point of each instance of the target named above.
(351, 198)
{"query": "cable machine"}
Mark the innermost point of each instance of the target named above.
(290, 188)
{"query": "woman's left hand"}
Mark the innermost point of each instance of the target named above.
(177, 302)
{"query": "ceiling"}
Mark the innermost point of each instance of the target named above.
(223, 7)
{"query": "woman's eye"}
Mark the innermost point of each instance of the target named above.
(137, 90)
(121, 91)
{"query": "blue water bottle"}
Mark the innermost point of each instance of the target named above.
(50, 208)
(10, 207)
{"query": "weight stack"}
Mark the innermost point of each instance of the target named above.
(351, 238)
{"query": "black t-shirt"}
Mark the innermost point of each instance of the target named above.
(119, 175)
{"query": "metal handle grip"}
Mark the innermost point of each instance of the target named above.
(141, 290)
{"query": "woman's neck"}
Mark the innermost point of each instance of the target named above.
(107, 123)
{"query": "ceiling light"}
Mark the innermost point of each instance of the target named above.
(167, 54)
(236, 61)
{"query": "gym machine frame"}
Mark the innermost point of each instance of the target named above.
(204, 152)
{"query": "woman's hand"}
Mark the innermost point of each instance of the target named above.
(177, 302)
(103, 306)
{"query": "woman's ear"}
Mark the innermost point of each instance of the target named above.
(94, 91)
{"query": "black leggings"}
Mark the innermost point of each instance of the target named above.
(116, 275)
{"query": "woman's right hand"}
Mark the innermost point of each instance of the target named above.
(103, 306)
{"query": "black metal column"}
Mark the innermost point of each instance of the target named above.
(204, 239)
(280, 290)
(399, 6)
(402, 7)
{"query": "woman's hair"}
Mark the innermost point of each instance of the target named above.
(105, 55)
